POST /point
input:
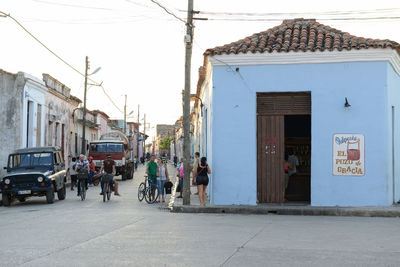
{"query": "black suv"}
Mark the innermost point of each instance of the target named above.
(37, 171)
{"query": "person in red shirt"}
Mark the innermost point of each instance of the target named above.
(92, 169)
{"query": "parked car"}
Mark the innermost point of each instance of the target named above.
(38, 171)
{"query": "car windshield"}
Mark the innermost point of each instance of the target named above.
(30, 160)
(106, 148)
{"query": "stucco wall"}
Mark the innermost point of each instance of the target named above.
(11, 105)
(34, 92)
(234, 152)
(393, 85)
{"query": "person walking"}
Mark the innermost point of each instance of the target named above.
(162, 178)
(180, 175)
(195, 164)
(136, 163)
(201, 172)
(72, 173)
(152, 173)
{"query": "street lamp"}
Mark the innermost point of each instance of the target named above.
(83, 149)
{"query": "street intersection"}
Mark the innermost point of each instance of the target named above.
(126, 232)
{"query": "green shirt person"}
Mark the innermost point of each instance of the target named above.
(152, 168)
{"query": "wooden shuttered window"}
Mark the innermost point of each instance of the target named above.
(283, 104)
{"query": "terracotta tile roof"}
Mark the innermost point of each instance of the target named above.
(300, 35)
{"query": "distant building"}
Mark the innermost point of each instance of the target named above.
(60, 129)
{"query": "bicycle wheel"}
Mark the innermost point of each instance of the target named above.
(104, 190)
(108, 192)
(151, 194)
(83, 190)
(141, 191)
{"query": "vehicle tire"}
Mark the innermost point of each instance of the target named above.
(109, 191)
(21, 199)
(61, 193)
(123, 176)
(148, 195)
(104, 191)
(141, 191)
(132, 170)
(83, 190)
(6, 199)
(50, 195)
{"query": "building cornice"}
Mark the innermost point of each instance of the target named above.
(317, 57)
(35, 84)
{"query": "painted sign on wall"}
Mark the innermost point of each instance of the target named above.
(348, 155)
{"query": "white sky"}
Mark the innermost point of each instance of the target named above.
(140, 47)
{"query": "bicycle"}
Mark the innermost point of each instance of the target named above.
(148, 191)
(83, 177)
(106, 190)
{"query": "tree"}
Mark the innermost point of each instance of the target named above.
(166, 142)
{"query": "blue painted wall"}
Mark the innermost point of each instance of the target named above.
(393, 86)
(234, 131)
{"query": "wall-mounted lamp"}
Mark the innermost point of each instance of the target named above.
(346, 103)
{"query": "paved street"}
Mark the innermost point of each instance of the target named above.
(125, 232)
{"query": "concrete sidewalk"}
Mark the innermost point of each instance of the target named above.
(177, 206)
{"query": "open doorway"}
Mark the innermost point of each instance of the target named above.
(283, 126)
(297, 158)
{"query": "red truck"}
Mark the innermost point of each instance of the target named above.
(117, 145)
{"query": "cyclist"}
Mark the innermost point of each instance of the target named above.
(152, 173)
(109, 168)
(81, 163)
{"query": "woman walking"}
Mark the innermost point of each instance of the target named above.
(201, 172)
(162, 178)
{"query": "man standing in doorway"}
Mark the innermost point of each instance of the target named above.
(294, 161)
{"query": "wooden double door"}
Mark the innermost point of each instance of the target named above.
(271, 111)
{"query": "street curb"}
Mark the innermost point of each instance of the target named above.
(294, 210)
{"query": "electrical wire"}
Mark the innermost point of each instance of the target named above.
(169, 12)
(42, 44)
(388, 14)
(75, 6)
(138, 4)
(348, 12)
(109, 98)
(230, 69)
(60, 58)
(320, 19)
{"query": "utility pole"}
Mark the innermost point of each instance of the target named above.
(125, 117)
(186, 105)
(138, 133)
(83, 148)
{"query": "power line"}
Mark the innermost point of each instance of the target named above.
(320, 19)
(57, 56)
(138, 4)
(166, 10)
(109, 98)
(387, 10)
(42, 44)
(75, 6)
